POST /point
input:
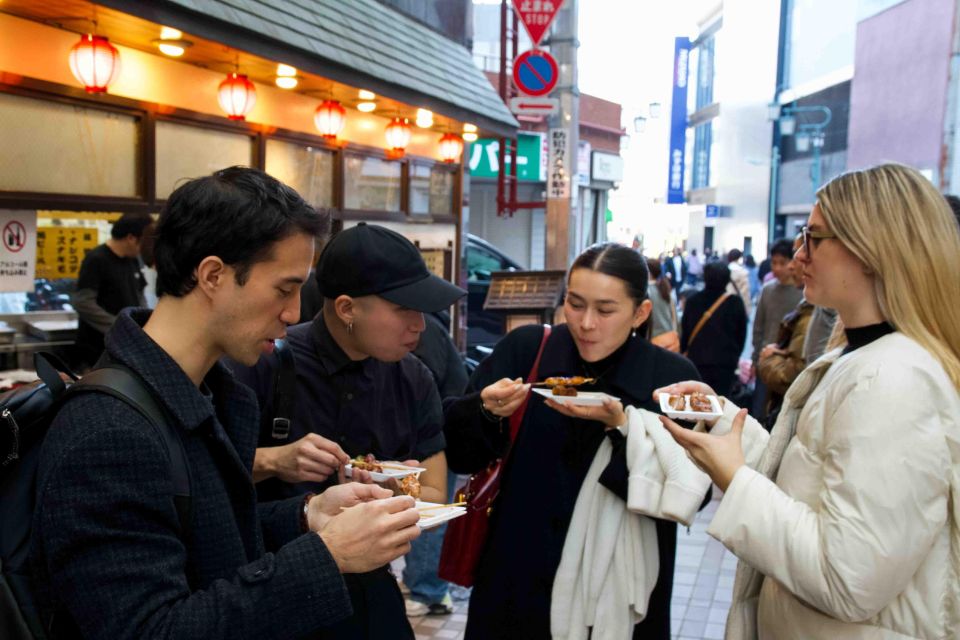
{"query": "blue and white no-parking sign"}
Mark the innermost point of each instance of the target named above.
(535, 72)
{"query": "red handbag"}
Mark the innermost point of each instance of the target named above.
(467, 535)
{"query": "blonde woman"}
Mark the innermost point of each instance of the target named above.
(846, 519)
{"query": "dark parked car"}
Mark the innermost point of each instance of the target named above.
(484, 328)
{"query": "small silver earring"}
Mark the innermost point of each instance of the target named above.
(633, 334)
(350, 327)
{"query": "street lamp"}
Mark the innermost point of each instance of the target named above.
(807, 133)
(811, 133)
(639, 124)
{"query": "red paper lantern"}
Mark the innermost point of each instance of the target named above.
(330, 118)
(398, 135)
(237, 95)
(95, 63)
(451, 146)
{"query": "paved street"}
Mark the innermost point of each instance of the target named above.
(701, 592)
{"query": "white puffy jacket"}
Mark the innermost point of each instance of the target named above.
(859, 535)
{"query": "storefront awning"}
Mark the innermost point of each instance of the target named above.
(356, 42)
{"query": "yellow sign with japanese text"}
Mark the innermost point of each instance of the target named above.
(60, 250)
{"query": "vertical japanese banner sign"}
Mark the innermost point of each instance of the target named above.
(61, 250)
(18, 250)
(558, 165)
(678, 121)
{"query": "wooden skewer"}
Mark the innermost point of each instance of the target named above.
(442, 506)
(544, 384)
(384, 465)
(433, 506)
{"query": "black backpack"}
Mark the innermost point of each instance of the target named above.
(25, 415)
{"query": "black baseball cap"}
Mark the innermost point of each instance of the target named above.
(372, 260)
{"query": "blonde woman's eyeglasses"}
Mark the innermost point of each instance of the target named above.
(814, 236)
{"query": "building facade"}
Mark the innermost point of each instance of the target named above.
(731, 73)
(82, 158)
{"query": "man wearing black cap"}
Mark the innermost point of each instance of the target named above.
(359, 390)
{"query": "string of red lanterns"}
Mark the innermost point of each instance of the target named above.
(95, 63)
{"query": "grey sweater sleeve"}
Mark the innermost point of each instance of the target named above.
(85, 303)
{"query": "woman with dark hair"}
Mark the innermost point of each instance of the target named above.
(714, 329)
(663, 330)
(605, 304)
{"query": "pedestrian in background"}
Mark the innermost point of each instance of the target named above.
(664, 331)
(428, 593)
(714, 329)
(777, 298)
(694, 268)
(781, 362)
(675, 268)
(847, 518)
(751, 266)
(739, 280)
(110, 280)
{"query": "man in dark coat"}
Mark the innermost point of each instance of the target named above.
(111, 558)
(675, 268)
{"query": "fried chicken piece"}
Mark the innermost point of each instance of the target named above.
(367, 463)
(410, 486)
(677, 403)
(700, 402)
(563, 390)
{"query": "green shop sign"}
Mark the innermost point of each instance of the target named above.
(484, 155)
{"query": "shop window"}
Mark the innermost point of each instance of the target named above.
(51, 147)
(371, 184)
(308, 170)
(185, 152)
(431, 190)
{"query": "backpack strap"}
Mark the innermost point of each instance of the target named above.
(703, 320)
(119, 381)
(284, 391)
(48, 367)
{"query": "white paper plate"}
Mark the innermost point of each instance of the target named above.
(582, 397)
(435, 517)
(690, 415)
(386, 474)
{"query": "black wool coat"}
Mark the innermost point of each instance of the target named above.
(107, 546)
(543, 476)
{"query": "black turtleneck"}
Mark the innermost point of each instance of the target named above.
(862, 336)
(601, 368)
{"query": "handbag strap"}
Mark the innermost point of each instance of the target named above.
(704, 318)
(517, 418)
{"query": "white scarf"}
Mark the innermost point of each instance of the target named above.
(610, 561)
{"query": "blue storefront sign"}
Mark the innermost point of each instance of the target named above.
(713, 211)
(678, 121)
